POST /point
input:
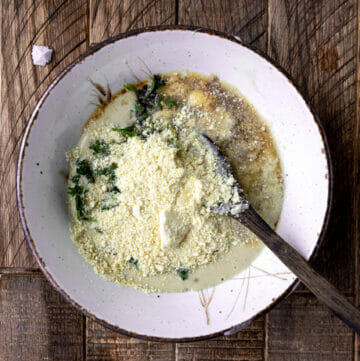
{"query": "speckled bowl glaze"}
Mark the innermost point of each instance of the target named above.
(55, 127)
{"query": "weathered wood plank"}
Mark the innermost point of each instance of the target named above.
(302, 329)
(105, 345)
(62, 26)
(36, 323)
(315, 41)
(246, 345)
(356, 178)
(108, 18)
(246, 18)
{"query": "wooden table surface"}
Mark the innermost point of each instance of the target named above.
(316, 41)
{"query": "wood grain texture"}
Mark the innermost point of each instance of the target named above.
(302, 329)
(35, 321)
(245, 18)
(109, 18)
(105, 345)
(315, 41)
(357, 187)
(246, 345)
(60, 25)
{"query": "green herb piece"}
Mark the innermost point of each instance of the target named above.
(148, 98)
(134, 262)
(75, 179)
(110, 201)
(83, 168)
(157, 82)
(100, 147)
(80, 208)
(114, 189)
(183, 273)
(140, 112)
(130, 87)
(170, 103)
(75, 190)
(108, 172)
(127, 132)
(89, 219)
(98, 230)
(158, 100)
(78, 192)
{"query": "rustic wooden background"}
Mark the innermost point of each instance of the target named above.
(316, 41)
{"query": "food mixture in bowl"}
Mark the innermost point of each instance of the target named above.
(142, 183)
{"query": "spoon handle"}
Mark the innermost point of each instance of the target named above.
(318, 285)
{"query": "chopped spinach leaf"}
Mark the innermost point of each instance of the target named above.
(157, 82)
(75, 179)
(108, 172)
(158, 100)
(76, 190)
(80, 208)
(141, 113)
(134, 262)
(148, 99)
(130, 87)
(170, 103)
(109, 203)
(98, 230)
(89, 219)
(114, 189)
(83, 168)
(183, 273)
(100, 147)
(127, 132)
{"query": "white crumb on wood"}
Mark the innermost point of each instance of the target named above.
(41, 55)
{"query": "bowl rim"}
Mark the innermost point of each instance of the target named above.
(92, 50)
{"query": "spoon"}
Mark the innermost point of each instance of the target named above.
(243, 212)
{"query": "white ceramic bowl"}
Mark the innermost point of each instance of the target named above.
(55, 127)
